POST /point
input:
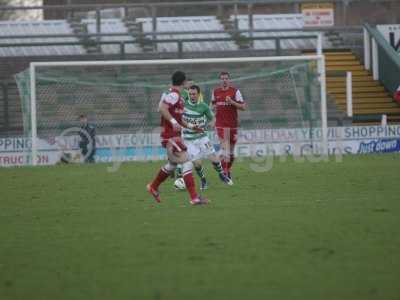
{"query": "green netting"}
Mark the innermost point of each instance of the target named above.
(124, 98)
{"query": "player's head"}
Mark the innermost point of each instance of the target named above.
(83, 118)
(194, 92)
(178, 78)
(225, 78)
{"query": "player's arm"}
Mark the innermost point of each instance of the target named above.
(211, 123)
(164, 111)
(238, 105)
(238, 102)
(163, 108)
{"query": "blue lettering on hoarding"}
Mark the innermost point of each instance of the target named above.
(129, 153)
(380, 146)
(14, 144)
(363, 132)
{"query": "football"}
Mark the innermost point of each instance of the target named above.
(179, 184)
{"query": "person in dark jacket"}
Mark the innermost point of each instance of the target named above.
(87, 142)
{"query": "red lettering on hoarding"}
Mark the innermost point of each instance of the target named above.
(43, 159)
(21, 160)
(12, 160)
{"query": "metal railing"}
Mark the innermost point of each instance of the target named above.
(355, 29)
(148, 38)
(381, 58)
(179, 42)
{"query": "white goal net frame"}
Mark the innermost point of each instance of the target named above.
(318, 58)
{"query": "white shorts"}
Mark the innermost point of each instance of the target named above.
(199, 148)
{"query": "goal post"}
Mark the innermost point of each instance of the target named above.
(55, 87)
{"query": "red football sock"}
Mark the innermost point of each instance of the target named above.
(225, 164)
(160, 178)
(232, 158)
(190, 185)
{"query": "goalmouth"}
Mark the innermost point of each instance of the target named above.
(121, 96)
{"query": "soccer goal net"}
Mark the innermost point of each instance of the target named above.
(285, 101)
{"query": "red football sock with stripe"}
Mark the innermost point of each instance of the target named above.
(160, 178)
(190, 185)
(225, 165)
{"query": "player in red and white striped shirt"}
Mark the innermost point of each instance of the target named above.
(226, 101)
(171, 109)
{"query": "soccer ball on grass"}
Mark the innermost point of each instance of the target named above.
(179, 184)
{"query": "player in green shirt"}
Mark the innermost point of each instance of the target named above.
(199, 146)
(185, 95)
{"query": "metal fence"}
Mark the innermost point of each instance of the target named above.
(179, 42)
(381, 58)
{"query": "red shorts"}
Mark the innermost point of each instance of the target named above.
(177, 144)
(226, 133)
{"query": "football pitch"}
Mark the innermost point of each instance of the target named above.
(328, 230)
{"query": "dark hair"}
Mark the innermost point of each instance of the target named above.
(82, 116)
(224, 73)
(178, 78)
(195, 87)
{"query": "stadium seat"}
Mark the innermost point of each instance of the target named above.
(113, 26)
(278, 21)
(38, 27)
(180, 24)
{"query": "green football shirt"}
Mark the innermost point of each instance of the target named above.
(197, 114)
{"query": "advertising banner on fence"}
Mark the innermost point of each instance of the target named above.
(259, 142)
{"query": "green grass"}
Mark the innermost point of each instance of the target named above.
(300, 231)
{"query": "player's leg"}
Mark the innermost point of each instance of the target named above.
(187, 168)
(179, 153)
(216, 162)
(207, 151)
(178, 172)
(232, 140)
(91, 155)
(224, 140)
(200, 172)
(194, 155)
(231, 160)
(176, 155)
(191, 152)
(161, 176)
(84, 151)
